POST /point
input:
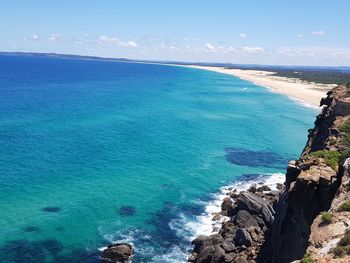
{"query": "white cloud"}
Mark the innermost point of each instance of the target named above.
(209, 46)
(129, 43)
(108, 40)
(318, 33)
(117, 41)
(253, 50)
(54, 37)
(300, 35)
(35, 37)
(242, 35)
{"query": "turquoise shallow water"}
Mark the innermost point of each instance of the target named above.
(96, 151)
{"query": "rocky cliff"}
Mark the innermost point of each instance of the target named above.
(309, 219)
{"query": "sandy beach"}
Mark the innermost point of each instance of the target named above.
(308, 93)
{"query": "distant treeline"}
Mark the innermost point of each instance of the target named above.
(318, 76)
(324, 75)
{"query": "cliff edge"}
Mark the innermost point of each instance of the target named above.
(308, 219)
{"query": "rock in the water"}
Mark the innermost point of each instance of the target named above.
(279, 186)
(263, 188)
(243, 238)
(226, 204)
(217, 217)
(192, 257)
(119, 252)
(252, 188)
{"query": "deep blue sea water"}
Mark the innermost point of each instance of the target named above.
(96, 151)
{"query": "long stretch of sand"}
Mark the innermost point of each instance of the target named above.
(308, 93)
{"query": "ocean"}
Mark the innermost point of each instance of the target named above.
(94, 152)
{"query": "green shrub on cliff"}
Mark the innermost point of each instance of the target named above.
(341, 251)
(345, 207)
(345, 241)
(327, 218)
(307, 259)
(343, 246)
(345, 128)
(331, 158)
(344, 155)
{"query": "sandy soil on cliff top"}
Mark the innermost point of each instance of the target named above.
(308, 93)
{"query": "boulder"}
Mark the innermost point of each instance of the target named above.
(241, 259)
(252, 188)
(244, 219)
(226, 204)
(279, 186)
(243, 238)
(250, 202)
(263, 188)
(211, 254)
(204, 241)
(198, 243)
(228, 246)
(119, 252)
(216, 217)
(229, 258)
(193, 257)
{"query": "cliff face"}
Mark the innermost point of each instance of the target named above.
(314, 185)
(309, 218)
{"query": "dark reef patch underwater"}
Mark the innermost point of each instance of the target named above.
(127, 211)
(31, 229)
(51, 209)
(49, 250)
(240, 156)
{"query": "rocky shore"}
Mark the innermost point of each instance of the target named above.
(308, 219)
(250, 216)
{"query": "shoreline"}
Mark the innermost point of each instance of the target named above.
(307, 93)
(207, 224)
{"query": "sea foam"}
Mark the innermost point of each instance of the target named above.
(204, 225)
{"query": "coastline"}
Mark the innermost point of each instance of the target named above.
(260, 225)
(207, 224)
(307, 93)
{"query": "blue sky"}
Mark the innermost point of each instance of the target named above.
(298, 32)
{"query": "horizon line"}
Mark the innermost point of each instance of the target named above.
(121, 59)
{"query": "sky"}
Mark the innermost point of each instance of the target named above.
(275, 32)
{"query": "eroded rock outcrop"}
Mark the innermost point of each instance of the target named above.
(312, 185)
(249, 217)
(120, 252)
